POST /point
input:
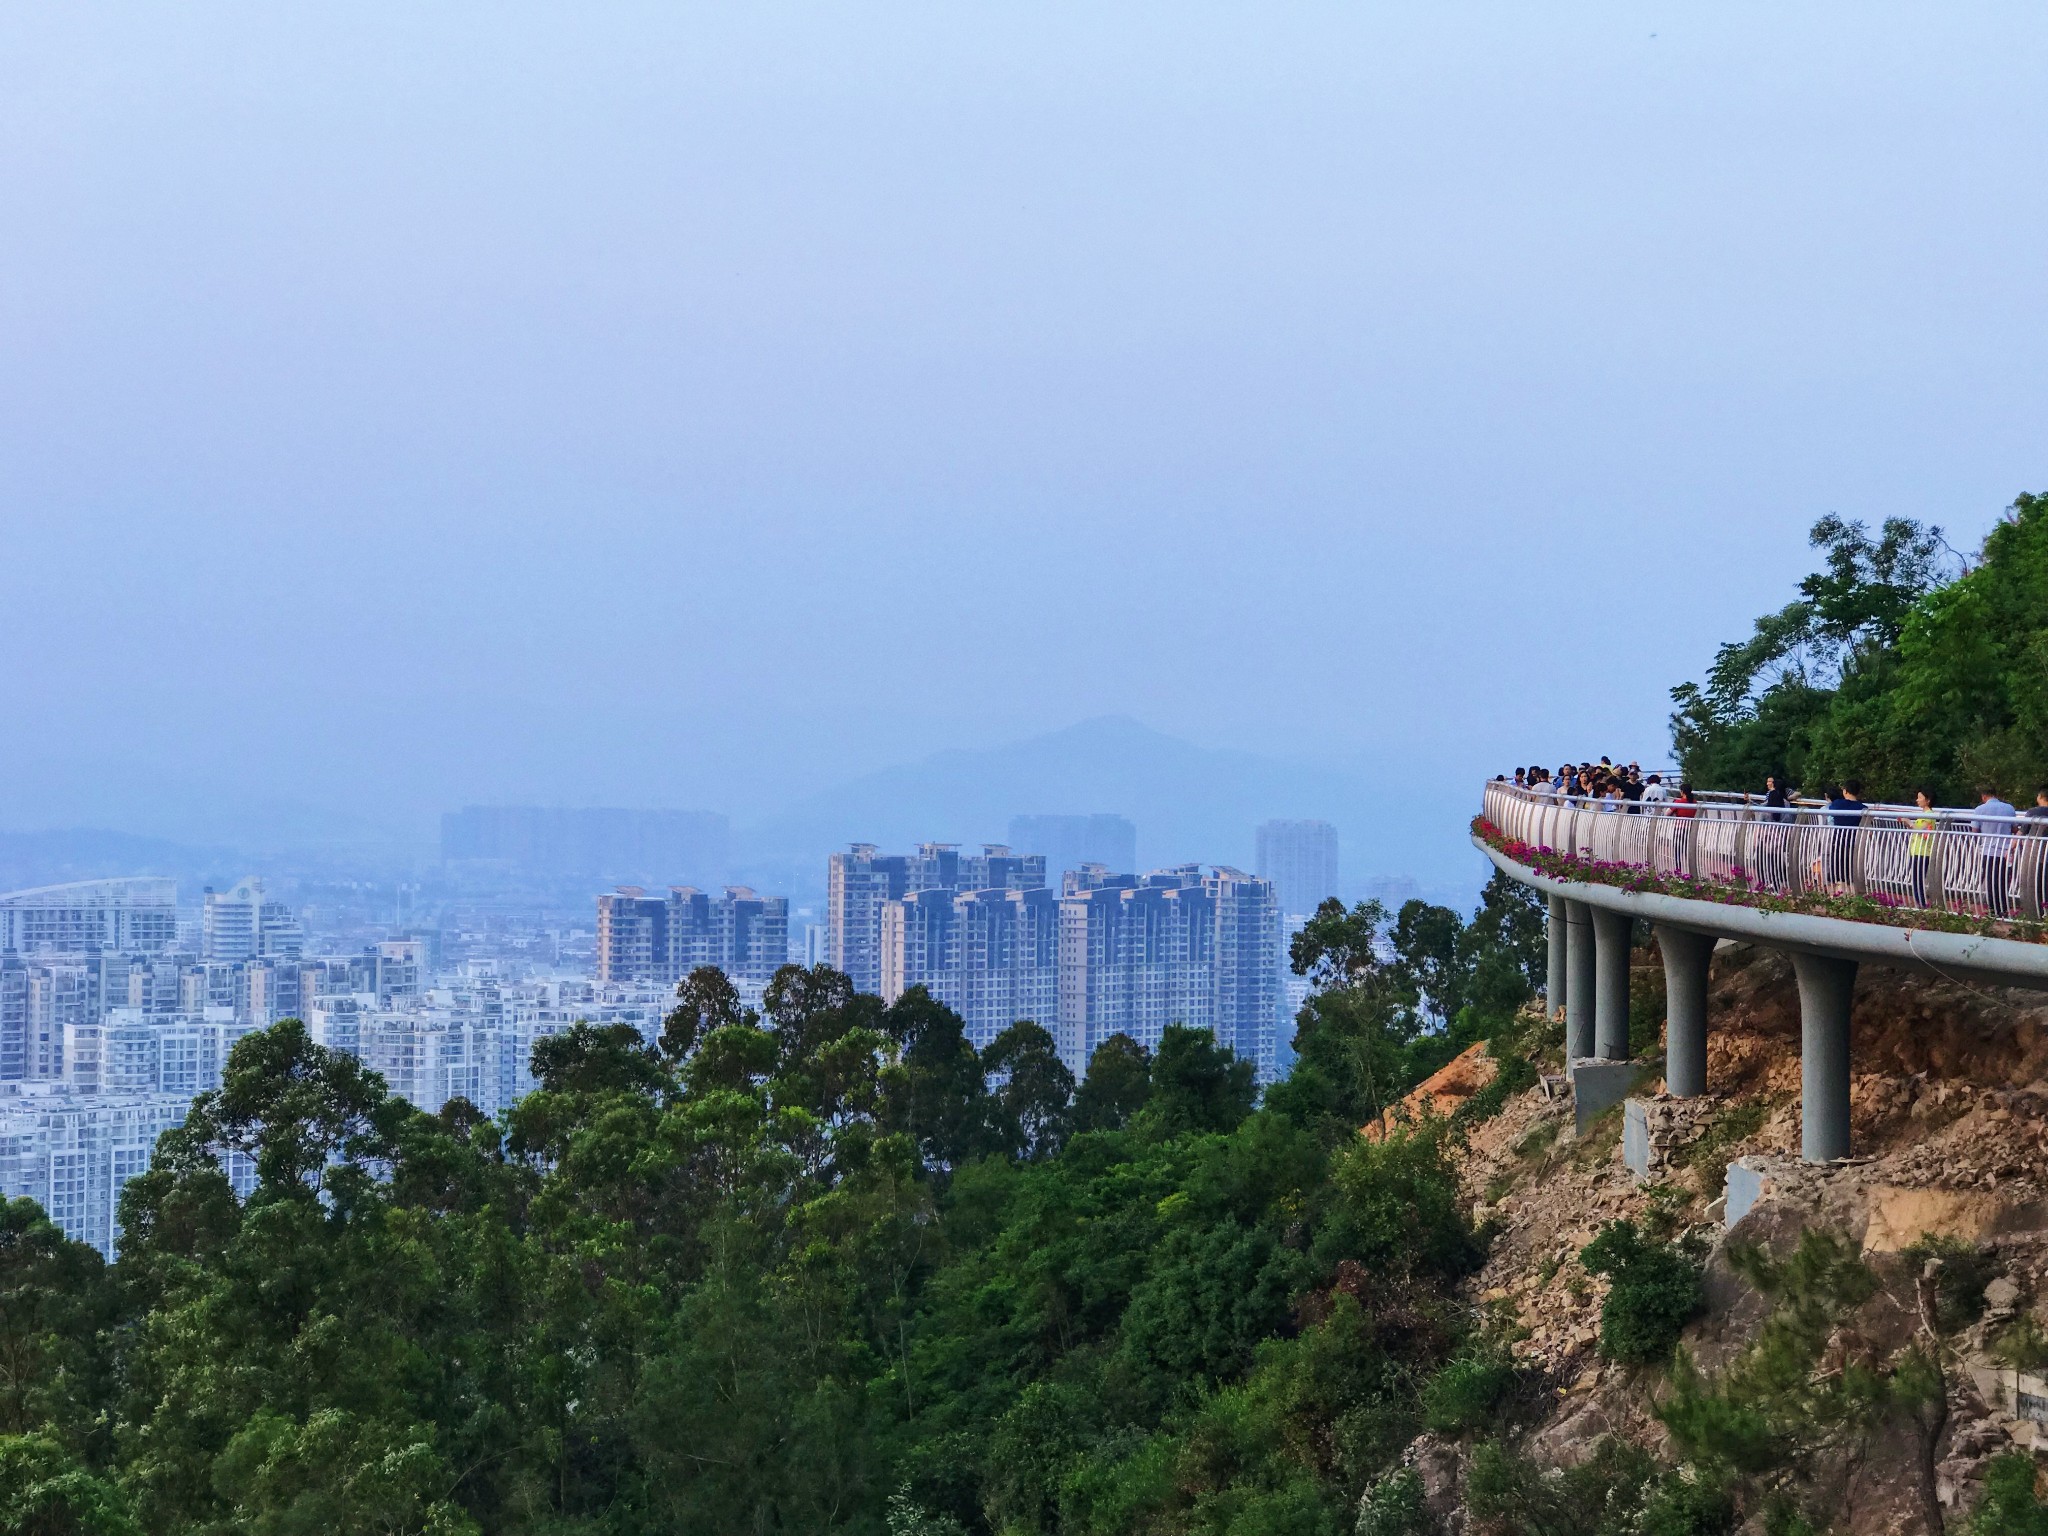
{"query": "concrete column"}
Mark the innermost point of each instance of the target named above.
(1553, 997)
(1825, 989)
(1686, 958)
(1611, 932)
(1578, 982)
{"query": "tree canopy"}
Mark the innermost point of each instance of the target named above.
(1898, 664)
(822, 1268)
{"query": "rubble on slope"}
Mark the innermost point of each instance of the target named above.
(1949, 1114)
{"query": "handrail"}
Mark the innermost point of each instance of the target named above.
(1898, 856)
(1798, 802)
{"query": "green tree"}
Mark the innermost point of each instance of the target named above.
(2010, 1506)
(1032, 1110)
(1352, 1036)
(44, 1491)
(1197, 1085)
(706, 1000)
(55, 1297)
(1765, 698)
(937, 1092)
(1118, 1083)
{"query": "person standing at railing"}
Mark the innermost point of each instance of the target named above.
(1845, 811)
(1683, 809)
(1920, 843)
(1994, 824)
(2036, 818)
(1774, 868)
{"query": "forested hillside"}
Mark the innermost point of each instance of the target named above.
(825, 1270)
(1900, 664)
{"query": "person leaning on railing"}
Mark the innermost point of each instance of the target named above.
(1846, 812)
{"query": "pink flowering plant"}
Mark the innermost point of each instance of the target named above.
(1736, 890)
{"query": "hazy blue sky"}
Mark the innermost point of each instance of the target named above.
(404, 404)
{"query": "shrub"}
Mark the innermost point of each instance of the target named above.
(1515, 1073)
(1684, 1505)
(2023, 1345)
(1655, 1292)
(1618, 1489)
(1393, 1507)
(2010, 1507)
(1465, 1393)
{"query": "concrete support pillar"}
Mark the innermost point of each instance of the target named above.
(1611, 932)
(1686, 958)
(1578, 982)
(1554, 982)
(1825, 990)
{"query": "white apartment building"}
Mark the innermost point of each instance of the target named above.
(243, 923)
(138, 915)
(73, 1153)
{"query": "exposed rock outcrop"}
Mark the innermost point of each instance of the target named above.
(1949, 1114)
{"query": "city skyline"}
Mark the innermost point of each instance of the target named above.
(119, 1004)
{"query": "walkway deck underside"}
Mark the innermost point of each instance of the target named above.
(1588, 979)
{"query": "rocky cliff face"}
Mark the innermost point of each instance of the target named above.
(1944, 1210)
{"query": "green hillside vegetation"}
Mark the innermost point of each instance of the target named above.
(1898, 664)
(808, 1272)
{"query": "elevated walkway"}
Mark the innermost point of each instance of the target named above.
(1590, 923)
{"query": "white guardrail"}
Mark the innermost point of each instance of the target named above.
(1933, 860)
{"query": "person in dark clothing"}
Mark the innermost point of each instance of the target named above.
(2034, 823)
(1774, 837)
(1845, 811)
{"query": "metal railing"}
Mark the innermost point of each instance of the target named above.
(1935, 860)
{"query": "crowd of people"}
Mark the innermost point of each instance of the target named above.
(1993, 827)
(1611, 786)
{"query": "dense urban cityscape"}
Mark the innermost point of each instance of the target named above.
(121, 998)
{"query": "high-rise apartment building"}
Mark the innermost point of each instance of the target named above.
(13, 1018)
(990, 955)
(1300, 858)
(244, 923)
(73, 1153)
(1172, 947)
(861, 882)
(1068, 842)
(858, 884)
(1247, 965)
(132, 916)
(664, 938)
